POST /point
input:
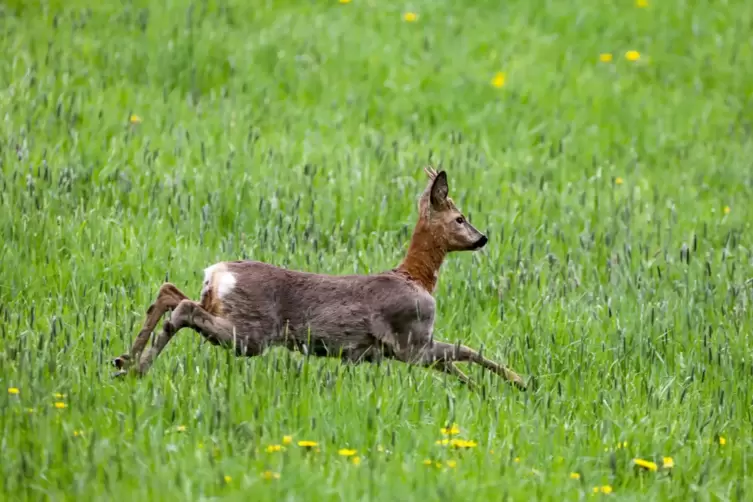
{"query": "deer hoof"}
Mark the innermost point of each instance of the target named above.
(531, 384)
(119, 374)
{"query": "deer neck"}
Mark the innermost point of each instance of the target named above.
(424, 258)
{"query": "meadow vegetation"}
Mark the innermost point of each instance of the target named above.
(604, 147)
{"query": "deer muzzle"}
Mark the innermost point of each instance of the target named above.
(480, 243)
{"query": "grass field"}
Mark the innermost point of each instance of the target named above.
(605, 147)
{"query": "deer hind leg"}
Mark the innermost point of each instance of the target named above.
(217, 330)
(168, 298)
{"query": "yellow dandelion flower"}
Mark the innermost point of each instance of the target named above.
(134, 119)
(574, 475)
(722, 441)
(78, 433)
(667, 463)
(641, 3)
(356, 460)
(270, 475)
(442, 442)
(59, 396)
(344, 1)
(452, 430)
(606, 489)
(516, 460)
(181, 428)
(410, 17)
(463, 443)
(428, 461)
(287, 439)
(605, 57)
(345, 452)
(619, 181)
(438, 465)
(499, 80)
(60, 405)
(632, 55)
(645, 464)
(13, 391)
(451, 464)
(228, 479)
(727, 209)
(308, 444)
(274, 447)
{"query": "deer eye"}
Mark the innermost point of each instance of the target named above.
(460, 220)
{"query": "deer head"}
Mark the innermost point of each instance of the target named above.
(451, 231)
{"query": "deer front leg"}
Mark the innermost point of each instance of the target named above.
(452, 369)
(387, 345)
(442, 351)
(442, 356)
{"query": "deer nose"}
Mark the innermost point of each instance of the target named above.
(480, 243)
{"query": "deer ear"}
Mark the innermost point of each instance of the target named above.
(439, 190)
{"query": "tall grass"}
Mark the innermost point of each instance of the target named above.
(142, 141)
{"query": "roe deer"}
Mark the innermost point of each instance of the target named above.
(250, 305)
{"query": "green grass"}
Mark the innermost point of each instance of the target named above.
(616, 197)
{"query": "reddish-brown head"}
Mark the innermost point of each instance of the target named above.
(449, 228)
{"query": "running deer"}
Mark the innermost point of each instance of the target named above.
(250, 305)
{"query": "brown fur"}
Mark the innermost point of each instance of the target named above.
(354, 317)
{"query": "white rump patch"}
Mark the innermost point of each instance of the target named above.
(218, 278)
